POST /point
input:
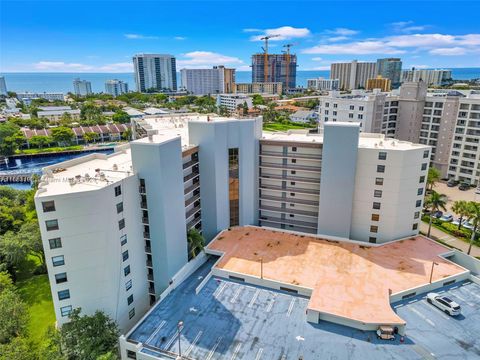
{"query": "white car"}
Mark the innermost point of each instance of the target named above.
(444, 303)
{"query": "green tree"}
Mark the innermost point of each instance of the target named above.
(29, 234)
(195, 242)
(62, 135)
(40, 141)
(90, 137)
(433, 177)
(127, 134)
(13, 251)
(13, 316)
(10, 138)
(19, 348)
(474, 219)
(66, 119)
(88, 337)
(434, 202)
(245, 108)
(460, 207)
(222, 110)
(6, 282)
(257, 99)
(121, 117)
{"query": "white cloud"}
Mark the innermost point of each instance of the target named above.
(420, 40)
(449, 51)
(180, 38)
(407, 26)
(252, 30)
(60, 66)
(337, 38)
(354, 48)
(419, 66)
(244, 68)
(140, 36)
(342, 32)
(284, 33)
(320, 68)
(199, 59)
(317, 59)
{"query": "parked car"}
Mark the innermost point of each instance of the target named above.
(467, 225)
(452, 182)
(444, 303)
(446, 217)
(437, 214)
(457, 221)
(464, 186)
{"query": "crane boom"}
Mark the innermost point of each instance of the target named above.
(265, 56)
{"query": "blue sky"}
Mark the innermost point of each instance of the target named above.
(102, 36)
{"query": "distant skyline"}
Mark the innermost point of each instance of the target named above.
(102, 36)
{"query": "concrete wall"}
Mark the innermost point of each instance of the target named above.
(337, 181)
(214, 139)
(160, 164)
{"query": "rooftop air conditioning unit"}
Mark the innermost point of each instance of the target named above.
(71, 181)
(102, 176)
(115, 167)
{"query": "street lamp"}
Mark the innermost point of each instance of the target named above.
(431, 271)
(179, 330)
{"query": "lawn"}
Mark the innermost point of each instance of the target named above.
(277, 126)
(48, 150)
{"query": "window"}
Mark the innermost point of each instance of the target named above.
(234, 185)
(335, 106)
(131, 313)
(352, 107)
(360, 116)
(425, 154)
(382, 155)
(66, 310)
(350, 116)
(118, 190)
(416, 215)
(378, 181)
(375, 217)
(123, 239)
(422, 179)
(294, 161)
(130, 299)
(294, 148)
(58, 260)
(48, 206)
(61, 278)
(376, 205)
(418, 203)
(125, 255)
(377, 193)
(64, 294)
(51, 225)
(126, 270)
(373, 229)
(128, 285)
(372, 239)
(119, 207)
(415, 227)
(424, 166)
(420, 191)
(381, 168)
(131, 354)
(121, 224)
(360, 108)
(55, 243)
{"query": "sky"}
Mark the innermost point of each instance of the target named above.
(102, 36)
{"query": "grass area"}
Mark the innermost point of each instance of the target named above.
(463, 234)
(276, 126)
(35, 291)
(48, 150)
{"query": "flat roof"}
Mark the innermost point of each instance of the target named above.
(347, 279)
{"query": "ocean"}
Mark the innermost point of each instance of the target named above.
(62, 82)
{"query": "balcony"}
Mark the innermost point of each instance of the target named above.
(192, 211)
(194, 222)
(290, 189)
(289, 200)
(190, 176)
(151, 290)
(289, 210)
(149, 263)
(143, 204)
(150, 277)
(191, 188)
(294, 228)
(289, 222)
(148, 249)
(142, 189)
(146, 234)
(290, 167)
(190, 163)
(291, 155)
(145, 220)
(312, 180)
(192, 200)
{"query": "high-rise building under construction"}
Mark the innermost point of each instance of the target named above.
(280, 68)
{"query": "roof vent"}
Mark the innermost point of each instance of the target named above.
(115, 167)
(102, 176)
(71, 181)
(87, 177)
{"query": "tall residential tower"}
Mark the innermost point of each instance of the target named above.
(155, 72)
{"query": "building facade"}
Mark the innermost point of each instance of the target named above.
(155, 72)
(390, 68)
(116, 87)
(82, 87)
(259, 88)
(218, 80)
(3, 86)
(231, 102)
(281, 68)
(51, 96)
(323, 84)
(430, 77)
(353, 75)
(379, 83)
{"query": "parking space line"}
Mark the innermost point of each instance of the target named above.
(235, 297)
(170, 342)
(290, 308)
(214, 348)
(427, 320)
(219, 290)
(270, 304)
(254, 298)
(472, 293)
(235, 353)
(259, 354)
(194, 342)
(162, 324)
(432, 307)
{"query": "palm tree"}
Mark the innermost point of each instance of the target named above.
(432, 177)
(434, 202)
(196, 243)
(460, 207)
(474, 218)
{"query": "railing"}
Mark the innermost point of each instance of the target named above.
(289, 210)
(189, 164)
(142, 189)
(289, 222)
(145, 220)
(148, 249)
(291, 178)
(194, 222)
(290, 167)
(289, 200)
(149, 263)
(143, 204)
(150, 277)
(290, 189)
(292, 155)
(190, 176)
(146, 234)
(192, 211)
(192, 200)
(191, 188)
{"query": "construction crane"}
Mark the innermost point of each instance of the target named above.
(265, 56)
(287, 68)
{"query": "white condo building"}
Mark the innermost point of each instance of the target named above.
(217, 80)
(354, 74)
(430, 77)
(114, 226)
(323, 84)
(116, 87)
(232, 101)
(155, 72)
(3, 86)
(82, 87)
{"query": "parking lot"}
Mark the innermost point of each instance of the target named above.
(439, 336)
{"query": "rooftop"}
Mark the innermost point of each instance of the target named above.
(347, 279)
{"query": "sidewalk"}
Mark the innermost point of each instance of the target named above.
(450, 240)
